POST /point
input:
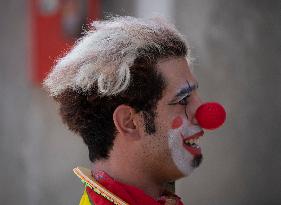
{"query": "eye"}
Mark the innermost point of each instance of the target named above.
(184, 101)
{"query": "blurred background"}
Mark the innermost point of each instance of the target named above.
(237, 48)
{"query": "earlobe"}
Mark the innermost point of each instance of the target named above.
(123, 117)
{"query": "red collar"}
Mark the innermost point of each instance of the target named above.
(130, 194)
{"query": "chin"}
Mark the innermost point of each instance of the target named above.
(186, 169)
(185, 159)
(189, 168)
(197, 160)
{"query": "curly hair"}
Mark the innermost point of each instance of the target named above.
(113, 64)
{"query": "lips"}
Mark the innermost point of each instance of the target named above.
(191, 143)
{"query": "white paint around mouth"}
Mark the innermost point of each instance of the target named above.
(181, 157)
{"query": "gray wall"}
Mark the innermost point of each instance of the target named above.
(237, 45)
(37, 153)
(239, 48)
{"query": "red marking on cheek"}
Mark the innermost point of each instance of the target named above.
(177, 122)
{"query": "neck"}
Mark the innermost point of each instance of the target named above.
(130, 175)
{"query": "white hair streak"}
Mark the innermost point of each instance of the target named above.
(104, 55)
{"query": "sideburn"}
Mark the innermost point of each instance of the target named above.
(149, 123)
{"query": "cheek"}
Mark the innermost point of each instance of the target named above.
(177, 122)
(181, 157)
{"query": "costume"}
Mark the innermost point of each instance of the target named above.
(104, 190)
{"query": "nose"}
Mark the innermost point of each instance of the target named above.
(210, 115)
(194, 120)
(191, 108)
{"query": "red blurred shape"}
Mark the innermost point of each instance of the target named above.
(210, 115)
(55, 25)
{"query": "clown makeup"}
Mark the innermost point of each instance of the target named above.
(183, 140)
(175, 117)
(183, 93)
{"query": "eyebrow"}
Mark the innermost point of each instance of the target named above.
(183, 92)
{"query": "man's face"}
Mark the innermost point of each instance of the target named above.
(175, 143)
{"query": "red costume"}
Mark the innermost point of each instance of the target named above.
(127, 194)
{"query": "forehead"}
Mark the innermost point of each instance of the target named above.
(176, 73)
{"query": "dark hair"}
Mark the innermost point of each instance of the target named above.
(90, 115)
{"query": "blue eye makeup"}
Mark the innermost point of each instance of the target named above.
(183, 94)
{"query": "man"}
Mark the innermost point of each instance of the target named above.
(127, 89)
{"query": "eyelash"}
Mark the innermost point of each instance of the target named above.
(184, 101)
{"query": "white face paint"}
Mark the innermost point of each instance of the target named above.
(180, 155)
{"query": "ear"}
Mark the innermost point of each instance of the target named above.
(123, 117)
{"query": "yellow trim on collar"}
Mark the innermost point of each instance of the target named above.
(86, 177)
(85, 199)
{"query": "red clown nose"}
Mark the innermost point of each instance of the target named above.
(210, 115)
